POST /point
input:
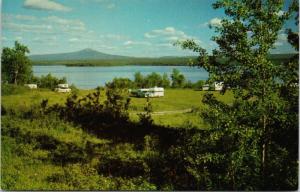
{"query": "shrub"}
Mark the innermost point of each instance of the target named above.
(120, 83)
(49, 81)
(12, 89)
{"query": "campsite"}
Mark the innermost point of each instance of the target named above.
(146, 95)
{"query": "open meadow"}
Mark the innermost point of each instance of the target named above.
(44, 151)
(177, 107)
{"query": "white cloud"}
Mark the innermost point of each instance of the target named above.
(148, 35)
(66, 25)
(46, 25)
(19, 38)
(17, 27)
(170, 29)
(215, 22)
(158, 32)
(45, 5)
(130, 43)
(172, 38)
(164, 45)
(73, 40)
(114, 36)
(11, 17)
(169, 35)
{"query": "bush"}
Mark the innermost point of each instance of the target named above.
(199, 84)
(151, 80)
(12, 89)
(48, 81)
(120, 83)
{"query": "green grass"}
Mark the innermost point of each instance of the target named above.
(46, 153)
(174, 99)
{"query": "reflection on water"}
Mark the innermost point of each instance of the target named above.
(91, 77)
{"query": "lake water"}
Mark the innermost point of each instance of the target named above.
(91, 77)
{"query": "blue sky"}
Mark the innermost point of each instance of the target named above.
(144, 28)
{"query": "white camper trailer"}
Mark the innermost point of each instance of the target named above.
(218, 86)
(31, 86)
(205, 87)
(149, 92)
(63, 88)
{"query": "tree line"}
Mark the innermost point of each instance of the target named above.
(176, 80)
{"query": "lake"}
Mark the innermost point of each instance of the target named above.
(91, 77)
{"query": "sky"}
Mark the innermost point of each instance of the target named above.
(141, 28)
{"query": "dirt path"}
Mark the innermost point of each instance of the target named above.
(166, 112)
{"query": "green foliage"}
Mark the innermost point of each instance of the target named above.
(119, 62)
(145, 118)
(15, 65)
(165, 81)
(139, 80)
(178, 80)
(151, 80)
(53, 154)
(199, 84)
(256, 123)
(11, 89)
(48, 81)
(117, 102)
(120, 83)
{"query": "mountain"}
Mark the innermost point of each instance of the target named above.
(85, 54)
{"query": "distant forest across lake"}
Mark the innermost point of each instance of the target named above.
(89, 57)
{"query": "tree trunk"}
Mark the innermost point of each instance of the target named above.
(15, 77)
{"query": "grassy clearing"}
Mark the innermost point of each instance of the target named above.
(174, 99)
(44, 152)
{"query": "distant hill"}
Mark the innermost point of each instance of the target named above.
(90, 57)
(85, 54)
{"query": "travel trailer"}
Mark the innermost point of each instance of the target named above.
(218, 86)
(63, 88)
(31, 86)
(149, 92)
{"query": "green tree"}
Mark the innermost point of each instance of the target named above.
(145, 117)
(165, 81)
(256, 125)
(16, 67)
(48, 81)
(120, 83)
(153, 79)
(178, 79)
(139, 80)
(199, 84)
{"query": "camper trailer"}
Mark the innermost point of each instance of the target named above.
(63, 88)
(31, 86)
(218, 86)
(205, 87)
(149, 92)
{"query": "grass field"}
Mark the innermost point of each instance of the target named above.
(44, 152)
(171, 105)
